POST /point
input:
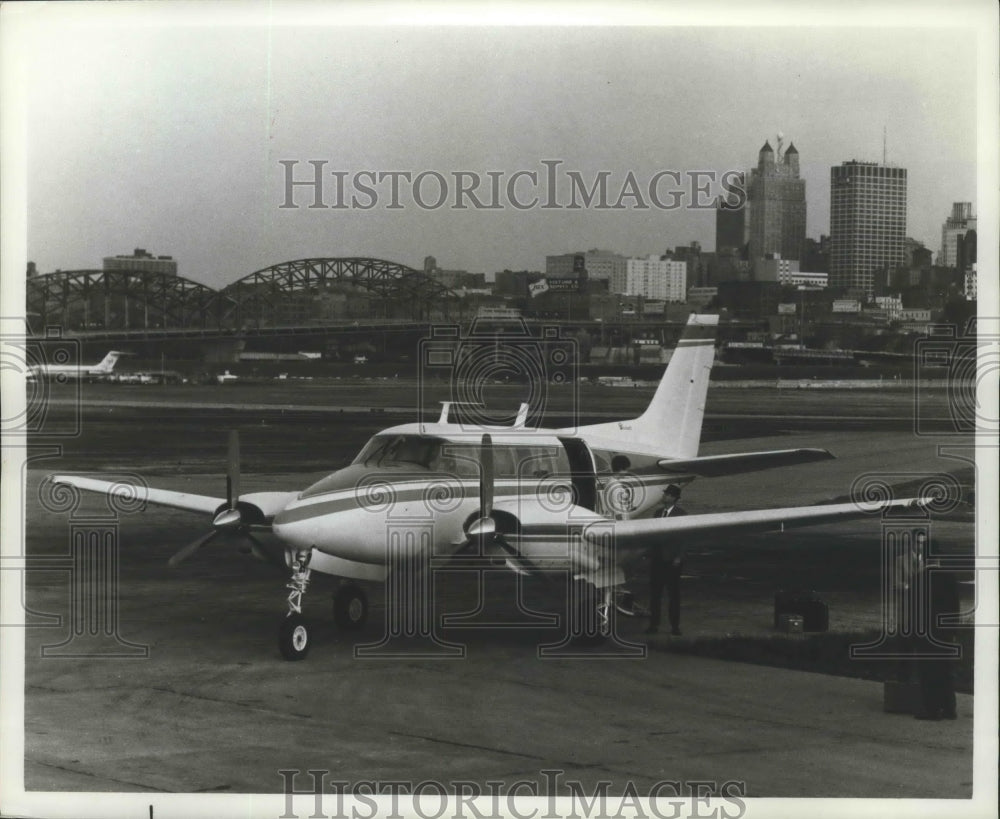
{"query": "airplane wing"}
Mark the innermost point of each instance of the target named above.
(269, 503)
(669, 532)
(714, 466)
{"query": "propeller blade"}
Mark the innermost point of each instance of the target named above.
(183, 554)
(259, 552)
(515, 560)
(486, 477)
(233, 469)
(517, 567)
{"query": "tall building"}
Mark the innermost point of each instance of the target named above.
(731, 226)
(656, 278)
(776, 203)
(955, 227)
(140, 260)
(867, 224)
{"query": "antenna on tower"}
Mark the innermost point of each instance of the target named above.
(883, 144)
(781, 139)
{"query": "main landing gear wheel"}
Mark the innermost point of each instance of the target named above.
(293, 637)
(350, 607)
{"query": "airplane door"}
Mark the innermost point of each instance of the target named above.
(583, 472)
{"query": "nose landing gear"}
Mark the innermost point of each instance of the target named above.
(293, 636)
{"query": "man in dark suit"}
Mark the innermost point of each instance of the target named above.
(665, 571)
(936, 672)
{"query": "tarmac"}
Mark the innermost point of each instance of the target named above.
(198, 699)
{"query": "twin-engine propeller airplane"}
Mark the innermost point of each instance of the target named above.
(536, 500)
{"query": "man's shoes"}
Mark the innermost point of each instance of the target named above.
(652, 630)
(676, 632)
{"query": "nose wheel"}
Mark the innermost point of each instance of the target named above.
(293, 637)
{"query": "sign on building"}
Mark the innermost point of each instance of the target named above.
(555, 285)
(846, 306)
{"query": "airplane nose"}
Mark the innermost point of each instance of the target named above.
(290, 531)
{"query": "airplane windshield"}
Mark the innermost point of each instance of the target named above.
(400, 450)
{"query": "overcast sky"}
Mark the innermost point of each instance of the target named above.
(168, 132)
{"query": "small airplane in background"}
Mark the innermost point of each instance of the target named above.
(502, 486)
(102, 369)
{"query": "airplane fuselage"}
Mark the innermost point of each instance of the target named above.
(385, 505)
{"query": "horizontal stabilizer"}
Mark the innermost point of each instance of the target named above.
(714, 466)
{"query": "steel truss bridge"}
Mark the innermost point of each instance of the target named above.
(305, 292)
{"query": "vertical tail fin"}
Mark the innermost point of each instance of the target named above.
(672, 422)
(108, 362)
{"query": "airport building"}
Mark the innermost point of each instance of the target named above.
(776, 204)
(142, 262)
(953, 231)
(867, 224)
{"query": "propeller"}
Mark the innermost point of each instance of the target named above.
(483, 530)
(485, 526)
(228, 520)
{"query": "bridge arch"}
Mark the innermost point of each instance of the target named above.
(309, 291)
(89, 300)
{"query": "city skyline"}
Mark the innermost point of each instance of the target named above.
(141, 137)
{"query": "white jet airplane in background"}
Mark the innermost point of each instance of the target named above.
(102, 369)
(536, 500)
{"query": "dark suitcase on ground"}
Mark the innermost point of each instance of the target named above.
(814, 612)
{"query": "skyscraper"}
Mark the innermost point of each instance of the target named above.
(957, 225)
(867, 223)
(730, 223)
(776, 199)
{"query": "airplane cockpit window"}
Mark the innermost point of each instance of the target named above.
(400, 450)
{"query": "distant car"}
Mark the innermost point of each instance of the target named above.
(360, 359)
